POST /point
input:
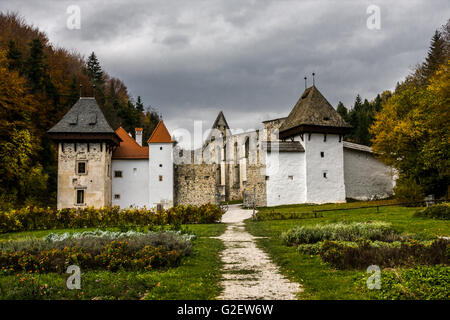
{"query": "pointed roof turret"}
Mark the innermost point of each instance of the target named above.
(313, 113)
(160, 134)
(85, 120)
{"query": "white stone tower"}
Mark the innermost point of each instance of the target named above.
(85, 145)
(320, 129)
(160, 146)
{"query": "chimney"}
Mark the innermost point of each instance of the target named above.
(138, 132)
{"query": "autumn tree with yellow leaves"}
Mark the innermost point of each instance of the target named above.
(412, 131)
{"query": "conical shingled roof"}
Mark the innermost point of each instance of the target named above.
(84, 117)
(160, 134)
(312, 111)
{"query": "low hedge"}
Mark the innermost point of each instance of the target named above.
(34, 218)
(439, 211)
(409, 254)
(375, 230)
(137, 251)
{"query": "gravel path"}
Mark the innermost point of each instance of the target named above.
(248, 271)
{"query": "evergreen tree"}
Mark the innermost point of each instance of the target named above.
(342, 110)
(94, 70)
(436, 55)
(14, 57)
(139, 104)
(35, 67)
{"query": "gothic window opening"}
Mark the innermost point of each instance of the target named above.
(247, 147)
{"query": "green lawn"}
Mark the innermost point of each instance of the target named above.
(197, 277)
(320, 281)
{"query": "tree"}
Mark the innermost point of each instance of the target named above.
(14, 57)
(139, 104)
(412, 132)
(35, 67)
(342, 110)
(94, 70)
(436, 54)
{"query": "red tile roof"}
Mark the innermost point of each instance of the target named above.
(160, 134)
(129, 148)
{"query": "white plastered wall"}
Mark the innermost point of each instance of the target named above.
(133, 186)
(320, 189)
(286, 182)
(366, 177)
(160, 164)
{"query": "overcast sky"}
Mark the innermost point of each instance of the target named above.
(193, 58)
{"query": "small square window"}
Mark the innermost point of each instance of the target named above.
(160, 178)
(81, 167)
(118, 174)
(117, 196)
(160, 148)
(160, 165)
(325, 175)
(291, 177)
(322, 154)
(267, 178)
(80, 196)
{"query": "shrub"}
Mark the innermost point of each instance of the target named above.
(315, 248)
(407, 190)
(409, 254)
(34, 218)
(94, 250)
(375, 230)
(418, 283)
(439, 211)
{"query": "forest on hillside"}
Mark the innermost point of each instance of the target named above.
(38, 84)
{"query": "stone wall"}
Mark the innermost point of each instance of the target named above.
(96, 182)
(255, 186)
(196, 184)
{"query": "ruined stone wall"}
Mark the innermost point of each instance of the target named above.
(196, 184)
(255, 186)
(271, 129)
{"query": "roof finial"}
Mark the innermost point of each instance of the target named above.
(305, 83)
(81, 86)
(94, 86)
(313, 74)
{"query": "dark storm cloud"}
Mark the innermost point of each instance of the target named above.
(248, 58)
